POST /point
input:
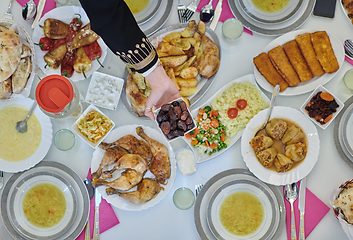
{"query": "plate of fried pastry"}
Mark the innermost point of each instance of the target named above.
(134, 168)
(299, 61)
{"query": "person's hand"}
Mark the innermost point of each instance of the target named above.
(163, 90)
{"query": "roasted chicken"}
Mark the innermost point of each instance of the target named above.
(110, 156)
(146, 190)
(128, 179)
(160, 165)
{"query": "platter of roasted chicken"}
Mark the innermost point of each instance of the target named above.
(299, 61)
(66, 45)
(190, 55)
(286, 151)
(134, 168)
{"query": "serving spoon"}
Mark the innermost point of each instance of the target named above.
(90, 190)
(291, 192)
(21, 126)
(29, 10)
(207, 12)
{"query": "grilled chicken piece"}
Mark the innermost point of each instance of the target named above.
(131, 161)
(296, 152)
(267, 156)
(111, 155)
(128, 179)
(208, 63)
(53, 58)
(146, 190)
(276, 128)
(283, 163)
(160, 165)
(133, 145)
(261, 142)
(137, 99)
(55, 29)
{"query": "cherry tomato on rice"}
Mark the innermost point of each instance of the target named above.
(232, 112)
(242, 103)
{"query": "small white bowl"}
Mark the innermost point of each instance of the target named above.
(320, 88)
(77, 131)
(104, 90)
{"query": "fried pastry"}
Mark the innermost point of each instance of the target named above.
(281, 62)
(306, 47)
(263, 64)
(297, 60)
(324, 52)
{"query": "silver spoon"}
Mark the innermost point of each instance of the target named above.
(207, 12)
(21, 126)
(29, 10)
(90, 190)
(291, 192)
(272, 104)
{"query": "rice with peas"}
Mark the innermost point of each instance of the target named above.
(228, 99)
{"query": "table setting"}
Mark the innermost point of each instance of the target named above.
(299, 200)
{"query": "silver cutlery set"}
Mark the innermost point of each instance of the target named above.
(291, 194)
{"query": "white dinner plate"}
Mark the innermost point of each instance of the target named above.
(346, 130)
(18, 218)
(148, 13)
(205, 157)
(157, 21)
(45, 142)
(42, 170)
(65, 14)
(345, 11)
(273, 29)
(27, 40)
(115, 199)
(214, 186)
(308, 85)
(299, 171)
(270, 17)
(203, 84)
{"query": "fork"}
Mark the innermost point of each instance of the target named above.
(181, 9)
(190, 10)
(198, 188)
(8, 14)
(1, 179)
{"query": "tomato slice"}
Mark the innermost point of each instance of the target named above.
(242, 103)
(232, 112)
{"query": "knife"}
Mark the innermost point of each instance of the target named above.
(301, 207)
(40, 8)
(217, 14)
(98, 199)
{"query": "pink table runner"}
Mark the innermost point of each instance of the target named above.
(49, 5)
(226, 12)
(315, 210)
(107, 217)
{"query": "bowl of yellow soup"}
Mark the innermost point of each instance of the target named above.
(42, 206)
(143, 10)
(241, 209)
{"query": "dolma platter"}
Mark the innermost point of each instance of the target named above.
(203, 84)
(312, 84)
(294, 174)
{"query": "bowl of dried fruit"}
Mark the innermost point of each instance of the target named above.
(322, 107)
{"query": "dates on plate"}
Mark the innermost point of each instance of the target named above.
(174, 119)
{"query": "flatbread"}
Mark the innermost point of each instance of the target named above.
(10, 53)
(344, 201)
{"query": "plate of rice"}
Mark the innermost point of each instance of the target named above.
(243, 88)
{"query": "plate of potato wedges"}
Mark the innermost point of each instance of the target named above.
(299, 61)
(190, 55)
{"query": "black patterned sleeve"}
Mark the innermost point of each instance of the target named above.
(114, 22)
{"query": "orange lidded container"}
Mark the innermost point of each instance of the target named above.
(57, 96)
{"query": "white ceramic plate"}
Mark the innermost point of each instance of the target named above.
(311, 84)
(27, 40)
(299, 171)
(43, 169)
(120, 202)
(273, 29)
(65, 14)
(148, 13)
(345, 12)
(238, 175)
(261, 191)
(45, 142)
(17, 217)
(205, 157)
(346, 133)
(267, 17)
